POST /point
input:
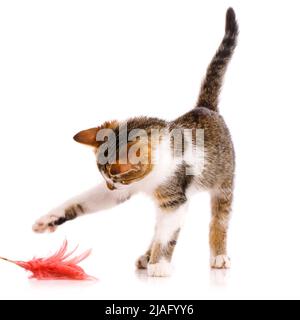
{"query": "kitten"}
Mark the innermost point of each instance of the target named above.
(155, 162)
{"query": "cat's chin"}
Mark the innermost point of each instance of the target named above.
(120, 186)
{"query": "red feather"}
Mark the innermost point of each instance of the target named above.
(57, 266)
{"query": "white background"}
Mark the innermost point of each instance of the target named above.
(70, 65)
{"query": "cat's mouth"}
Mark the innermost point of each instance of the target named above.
(123, 183)
(134, 174)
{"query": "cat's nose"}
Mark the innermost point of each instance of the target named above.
(114, 170)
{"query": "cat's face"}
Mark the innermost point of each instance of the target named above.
(119, 176)
(121, 172)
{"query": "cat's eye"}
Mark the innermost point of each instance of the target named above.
(123, 182)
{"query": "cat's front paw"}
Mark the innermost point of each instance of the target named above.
(45, 224)
(160, 269)
(220, 262)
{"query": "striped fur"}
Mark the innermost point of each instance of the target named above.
(211, 86)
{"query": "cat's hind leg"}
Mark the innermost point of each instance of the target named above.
(221, 201)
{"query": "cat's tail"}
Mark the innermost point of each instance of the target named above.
(212, 83)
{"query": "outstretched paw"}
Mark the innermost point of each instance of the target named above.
(220, 262)
(55, 218)
(46, 223)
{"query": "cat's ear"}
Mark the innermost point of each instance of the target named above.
(88, 137)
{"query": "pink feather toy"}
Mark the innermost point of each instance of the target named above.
(59, 266)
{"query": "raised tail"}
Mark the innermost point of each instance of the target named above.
(211, 85)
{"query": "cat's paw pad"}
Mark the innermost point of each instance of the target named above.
(142, 262)
(160, 269)
(220, 262)
(45, 224)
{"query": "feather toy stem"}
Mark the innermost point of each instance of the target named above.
(5, 259)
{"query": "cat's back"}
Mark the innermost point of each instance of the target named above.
(218, 147)
(211, 122)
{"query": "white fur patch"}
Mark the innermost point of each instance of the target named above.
(160, 269)
(168, 223)
(99, 198)
(94, 200)
(220, 262)
(164, 167)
